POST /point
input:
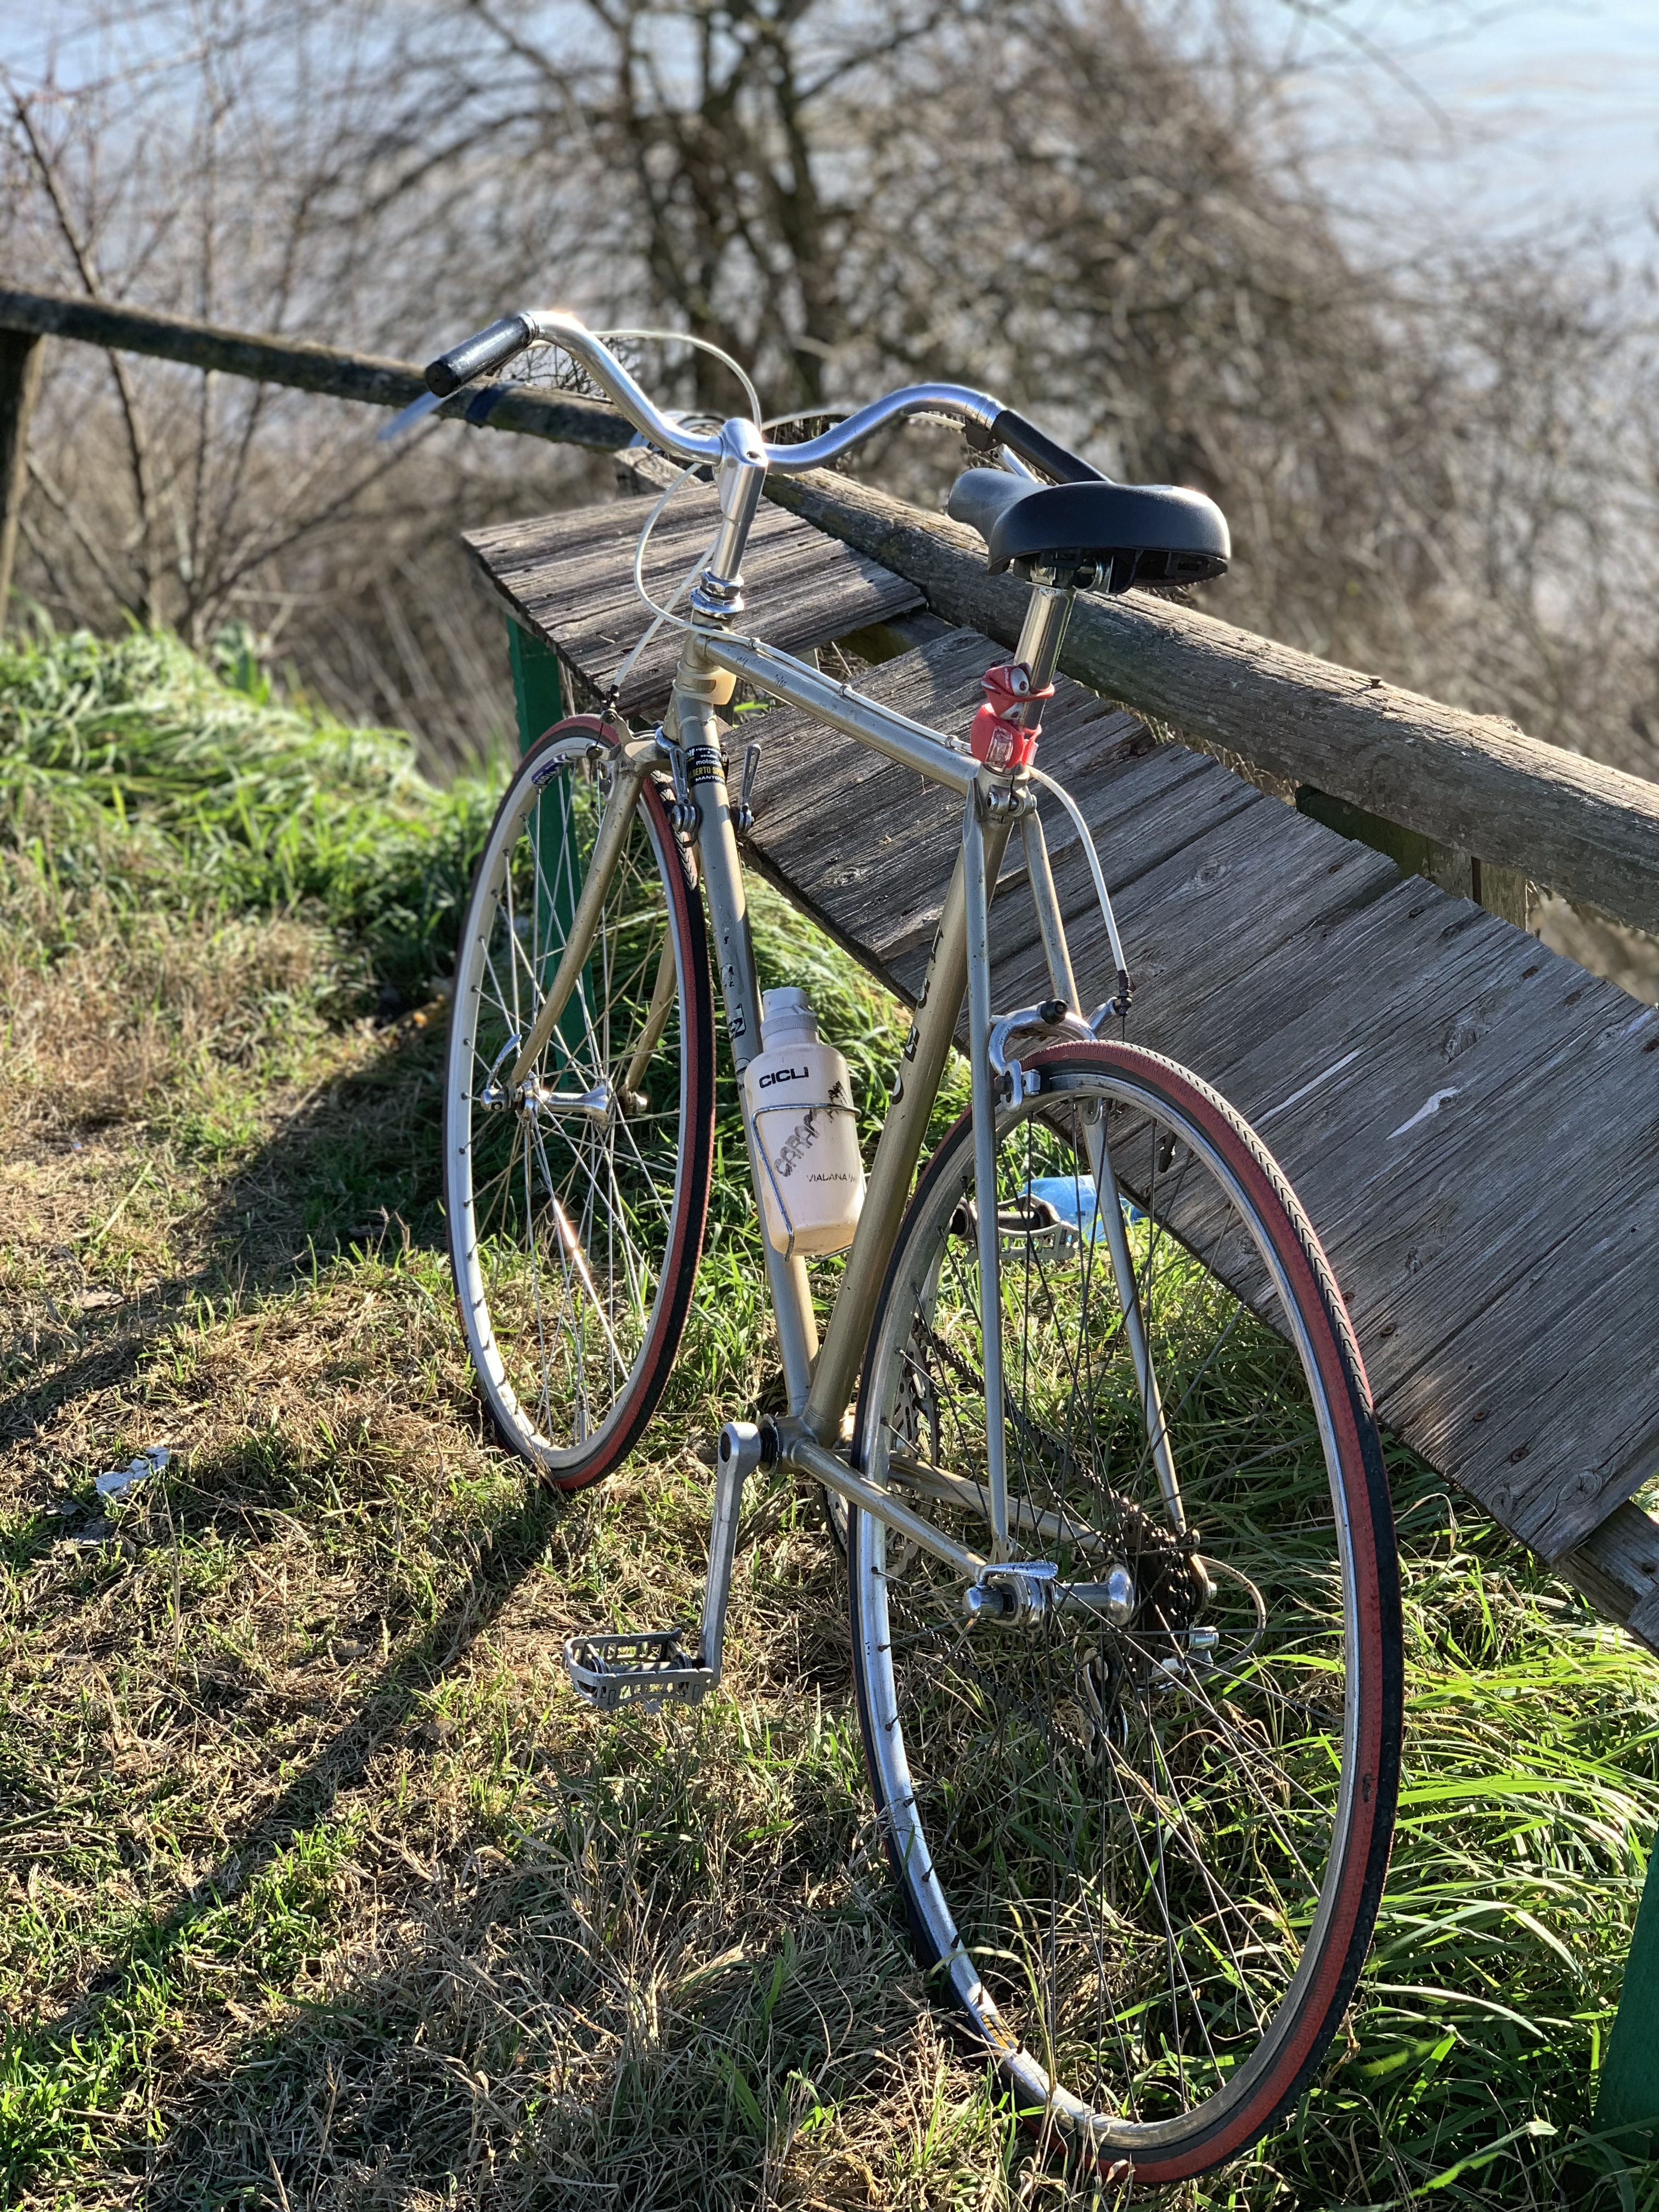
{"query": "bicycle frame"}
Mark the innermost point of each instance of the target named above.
(820, 1379)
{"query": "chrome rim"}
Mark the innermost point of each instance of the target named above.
(1124, 1842)
(564, 1195)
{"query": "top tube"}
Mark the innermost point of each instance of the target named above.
(556, 327)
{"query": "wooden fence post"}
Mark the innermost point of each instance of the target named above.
(1501, 891)
(20, 379)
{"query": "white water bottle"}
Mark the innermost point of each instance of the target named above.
(799, 1096)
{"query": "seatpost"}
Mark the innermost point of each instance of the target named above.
(1046, 611)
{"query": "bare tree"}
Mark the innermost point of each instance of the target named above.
(1448, 472)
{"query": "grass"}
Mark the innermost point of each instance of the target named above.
(316, 1886)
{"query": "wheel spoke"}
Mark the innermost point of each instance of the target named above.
(1131, 1827)
(584, 1241)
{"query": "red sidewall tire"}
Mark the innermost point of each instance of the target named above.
(1301, 2041)
(643, 1391)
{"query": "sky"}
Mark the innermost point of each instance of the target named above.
(1511, 113)
(1467, 116)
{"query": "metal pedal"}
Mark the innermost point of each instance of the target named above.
(649, 1668)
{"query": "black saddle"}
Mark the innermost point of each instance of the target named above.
(1133, 533)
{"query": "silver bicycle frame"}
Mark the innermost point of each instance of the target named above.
(820, 1380)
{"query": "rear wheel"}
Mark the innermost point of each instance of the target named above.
(1141, 1811)
(576, 1200)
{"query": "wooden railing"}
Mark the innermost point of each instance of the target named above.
(1481, 795)
(1468, 782)
(28, 318)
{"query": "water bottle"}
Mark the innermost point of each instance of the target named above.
(799, 1096)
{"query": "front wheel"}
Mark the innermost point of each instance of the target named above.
(1140, 1819)
(576, 1195)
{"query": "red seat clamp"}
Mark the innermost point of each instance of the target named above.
(996, 738)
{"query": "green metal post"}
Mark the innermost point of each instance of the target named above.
(1629, 2095)
(537, 693)
(538, 696)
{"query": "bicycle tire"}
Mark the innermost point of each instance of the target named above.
(1127, 1768)
(574, 1232)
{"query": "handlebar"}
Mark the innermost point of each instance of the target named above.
(995, 424)
(491, 348)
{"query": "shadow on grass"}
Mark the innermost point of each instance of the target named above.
(358, 1165)
(511, 1549)
(354, 1165)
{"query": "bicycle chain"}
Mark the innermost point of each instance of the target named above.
(1142, 1535)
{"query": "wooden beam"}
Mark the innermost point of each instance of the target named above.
(1617, 1568)
(20, 379)
(370, 378)
(1468, 780)
(1515, 811)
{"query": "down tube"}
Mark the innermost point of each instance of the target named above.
(728, 912)
(920, 1069)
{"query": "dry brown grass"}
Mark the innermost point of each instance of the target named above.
(322, 1890)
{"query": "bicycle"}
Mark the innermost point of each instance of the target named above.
(1121, 1576)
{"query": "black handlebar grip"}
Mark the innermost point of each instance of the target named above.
(490, 348)
(1039, 451)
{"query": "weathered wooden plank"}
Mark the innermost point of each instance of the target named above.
(1617, 1568)
(1434, 1221)
(898, 892)
(1539, 1091)
(810, 775)
(576, 594)
(570, 578)
(1556, 1378)
(870, 847)
(1198, 928)
(1335, 1016)
(1177, 798)
(1364, 1138)
(575, 569)
(1382, 1005)
(1529, 1072)
(1469, 780)
(573, 573)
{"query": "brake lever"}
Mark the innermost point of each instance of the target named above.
(407, 417)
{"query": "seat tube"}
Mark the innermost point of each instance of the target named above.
(978, 904)
(1047, 609)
